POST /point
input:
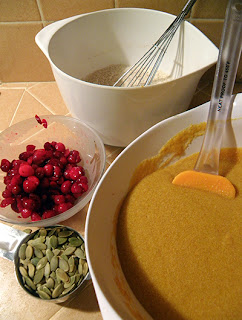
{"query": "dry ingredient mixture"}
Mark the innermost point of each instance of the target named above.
(43, 183)
(180, 248)
(109, 75)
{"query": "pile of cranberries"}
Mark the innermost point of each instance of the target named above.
(43, 183)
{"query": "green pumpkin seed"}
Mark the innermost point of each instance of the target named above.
(53, 275)
(38, 253)
(72, 280)
(61, 240)
(54, 263)
(40, 246)
(50, 283)
(67, 290)
(42, 262)
(68, 251)
(75, 242)
(46, 289)
(24, 262)
(56, 252)
(62, 275)
(49, 254)
(30, 283)
(65, 233)
(31, 270)
(85, 269)
(80, 253)
(23, 271)
(53, 241)
(29, 252)
(43, 232)
(35, 261)
(58, 290)
(63, 264)
(38, 275)
(71, 262)
(27, 230)
(47, 270)
(44, 295)
(22, 250)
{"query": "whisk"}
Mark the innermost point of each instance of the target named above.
(149, 63)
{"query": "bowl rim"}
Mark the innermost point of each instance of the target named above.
(108, 307)
(86, 197)
(107, 11)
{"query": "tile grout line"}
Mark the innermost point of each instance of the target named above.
(20, 100)
(43, 104)
(40, 10)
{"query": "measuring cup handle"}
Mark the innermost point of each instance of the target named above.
(9, 241)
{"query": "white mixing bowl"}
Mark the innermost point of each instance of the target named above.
(114, 295)
(80, 45)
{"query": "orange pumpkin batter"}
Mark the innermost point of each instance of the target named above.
(180, 248)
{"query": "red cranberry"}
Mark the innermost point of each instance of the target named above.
(7, 193)
(7, 201)
(16, 189)
(75, 173)
(38, 119)
(26, 213)
(57, 154)
(28, 203)
(84, 186)
(39, 172)
(66, 186)
(70, 198)
(12, 172)
(39, 156)
(30, 147)
(5, 165)
(34, 179)
(82, 179)
(57, 172)
(16, 163)
(48, 170)
(48, 146)
(7, 180)
(59, 199)
(63, 160)
(63, 207)
(48, 214)
(35, 216)
(29, 186)
(76, 188)
(60, 147)
(25, 170)
(16, 180)
(44, 122)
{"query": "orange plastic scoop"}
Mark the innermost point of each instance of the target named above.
(205, 174)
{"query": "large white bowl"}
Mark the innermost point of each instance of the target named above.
(79, 45)
(114, 295)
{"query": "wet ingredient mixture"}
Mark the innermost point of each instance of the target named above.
(180, 248)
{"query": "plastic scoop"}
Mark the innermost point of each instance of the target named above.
(205, 174)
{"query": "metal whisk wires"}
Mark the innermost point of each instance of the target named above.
(144, 70)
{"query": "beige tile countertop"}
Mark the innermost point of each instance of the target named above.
(19, 101)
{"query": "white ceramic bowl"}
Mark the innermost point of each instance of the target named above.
(75, 135)
(114, 295)
(82, 44)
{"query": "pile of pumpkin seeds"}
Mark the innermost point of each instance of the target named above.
(53, 262)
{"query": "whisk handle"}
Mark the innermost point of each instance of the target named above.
(188, 6)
